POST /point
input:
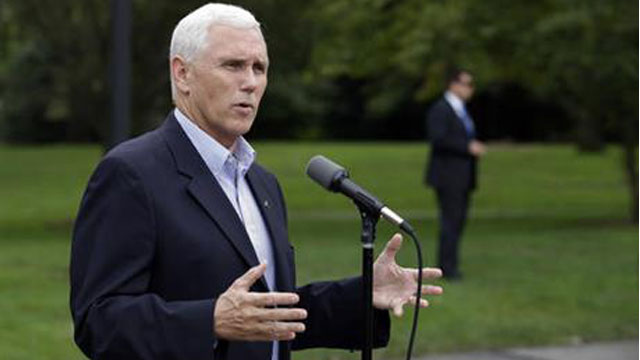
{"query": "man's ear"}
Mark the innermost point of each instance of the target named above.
(180, 74)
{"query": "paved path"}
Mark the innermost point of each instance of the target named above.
(619, 350)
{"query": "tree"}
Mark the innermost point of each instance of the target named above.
(340, 68)
(594, 76)
(55, 70)
(581, 54)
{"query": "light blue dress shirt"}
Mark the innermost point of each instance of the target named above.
(229, 168)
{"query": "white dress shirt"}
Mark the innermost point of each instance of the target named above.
(229, 168)
(461, 111)
(456, 103)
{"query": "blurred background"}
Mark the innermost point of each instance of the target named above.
(551, 250)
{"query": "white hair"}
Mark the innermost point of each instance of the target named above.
(190, 36)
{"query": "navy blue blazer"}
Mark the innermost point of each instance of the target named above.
(156, 241)
(451, 165)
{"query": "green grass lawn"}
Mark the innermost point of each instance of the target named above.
(548, 255)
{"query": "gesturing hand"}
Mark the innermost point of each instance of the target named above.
(243, 315)
(477, 148)
(394, 286)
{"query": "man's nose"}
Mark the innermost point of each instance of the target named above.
(249, 81)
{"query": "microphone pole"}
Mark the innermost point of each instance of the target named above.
(368, 236)
(335, 178)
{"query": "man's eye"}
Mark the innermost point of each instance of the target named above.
(234, 65)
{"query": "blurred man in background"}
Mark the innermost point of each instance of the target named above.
(452, 166)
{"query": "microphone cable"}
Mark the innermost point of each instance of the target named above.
(414, 327)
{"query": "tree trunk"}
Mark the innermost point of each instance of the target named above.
(631, 170)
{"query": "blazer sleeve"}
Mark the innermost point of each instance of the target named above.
(115, 315)
(442, 138)
(335, 317)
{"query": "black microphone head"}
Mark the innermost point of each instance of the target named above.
(325, 172)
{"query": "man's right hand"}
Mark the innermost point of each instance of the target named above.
(253, 316)
(477, 148)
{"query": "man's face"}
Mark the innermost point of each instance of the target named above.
(226, 82)
(463, 87)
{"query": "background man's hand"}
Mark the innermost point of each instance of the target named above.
(395, 286)
(477, 148)
(252, 316)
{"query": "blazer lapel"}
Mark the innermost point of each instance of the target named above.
(206, 191)
(275, 225)
(457, 121)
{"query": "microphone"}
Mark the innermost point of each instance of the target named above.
(335, 178)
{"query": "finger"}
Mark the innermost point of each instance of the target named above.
(392, 247)
(431, 290)
(423, 302)
(281, 314)
(397, 306)
(245, 281)
(286, 336)
(427, 273)
(297, 327)
(272, 298)
(275, 330)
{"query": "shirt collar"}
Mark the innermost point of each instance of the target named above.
(244, 153)
(214, 154)
(456, 103)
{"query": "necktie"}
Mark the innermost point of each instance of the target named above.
(467, 122)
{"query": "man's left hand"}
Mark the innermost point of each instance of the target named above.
(395, 286)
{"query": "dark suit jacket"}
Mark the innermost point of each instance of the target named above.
(450, 164)
(156, 241)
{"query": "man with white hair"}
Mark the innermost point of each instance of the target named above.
(180, 247)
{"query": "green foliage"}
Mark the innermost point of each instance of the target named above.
(340, 68)
(57, 68)
(580, 54)
(54, 84)
(595, 75)
(548, 257)
(34, 81)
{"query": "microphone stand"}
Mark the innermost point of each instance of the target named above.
(368, 236)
